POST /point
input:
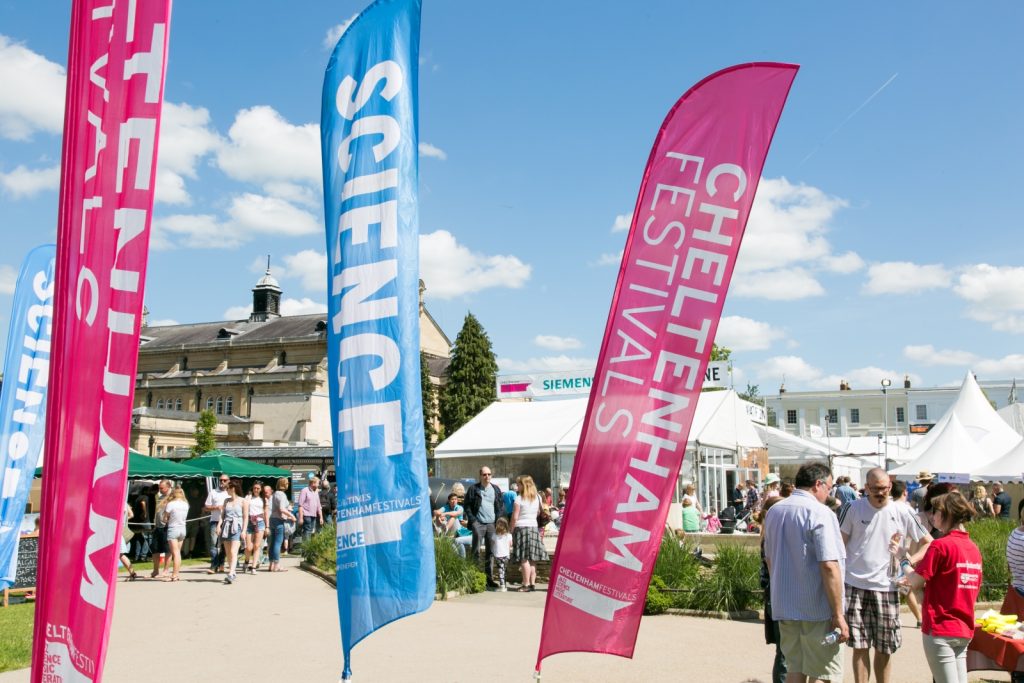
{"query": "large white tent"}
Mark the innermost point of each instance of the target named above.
(1013, 415)
(969, 436)
(1007, 467)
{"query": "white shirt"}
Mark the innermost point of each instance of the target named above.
(255, 505)
(528, 510)
(216, 498)
(502, 545)
(869, 530)
(177, 513)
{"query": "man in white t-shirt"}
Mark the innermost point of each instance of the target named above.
(868, 526)
(214, 505)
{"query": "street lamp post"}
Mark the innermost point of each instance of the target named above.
(886, 383)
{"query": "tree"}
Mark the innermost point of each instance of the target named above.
(720, 352)
(204, 433)
(752, 394)
(429, 405)
(472, 373)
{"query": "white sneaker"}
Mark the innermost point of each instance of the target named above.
(503, 589)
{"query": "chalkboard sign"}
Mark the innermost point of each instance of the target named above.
(28, 560)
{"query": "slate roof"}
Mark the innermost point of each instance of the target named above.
(290, 327)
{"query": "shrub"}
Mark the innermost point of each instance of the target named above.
(657, 601)
(320, 550)
(733, 584)
(455, 573)
(677, 566)
(990, 536)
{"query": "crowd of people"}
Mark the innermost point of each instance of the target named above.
(834, 578)
(498, 527)
(243, 526)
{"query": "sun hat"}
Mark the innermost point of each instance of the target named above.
(925, 475)
(771, 479)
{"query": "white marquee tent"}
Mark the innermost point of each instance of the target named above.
(969, 436)
(1013, 415)
(1007, 467)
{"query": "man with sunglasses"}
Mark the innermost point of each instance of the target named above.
(869, 526)
(214, 505)
(483, 505)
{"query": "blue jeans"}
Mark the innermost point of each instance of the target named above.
(276, 538)
(216, 556)
(309, 525)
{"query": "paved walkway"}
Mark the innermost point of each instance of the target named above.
(280, 627)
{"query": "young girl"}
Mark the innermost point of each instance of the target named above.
(231, 527)
(501, 548)
(175, 514)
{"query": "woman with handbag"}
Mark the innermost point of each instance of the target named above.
(280, 514)
(231, 527)
(527, 548)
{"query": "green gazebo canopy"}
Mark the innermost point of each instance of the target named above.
(144, 467)
(213, 463)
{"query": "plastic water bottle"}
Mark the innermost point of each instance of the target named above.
(832, 637)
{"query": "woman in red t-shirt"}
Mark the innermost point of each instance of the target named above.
(951, 575)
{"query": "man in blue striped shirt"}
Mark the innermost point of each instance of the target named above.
(806, 561)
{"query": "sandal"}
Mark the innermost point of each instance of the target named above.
(523, 589)
(132, 575)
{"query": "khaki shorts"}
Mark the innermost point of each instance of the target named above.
(800, 642)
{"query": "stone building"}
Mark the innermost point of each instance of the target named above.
(264, 377)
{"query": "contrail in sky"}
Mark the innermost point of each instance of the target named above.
(847, 119)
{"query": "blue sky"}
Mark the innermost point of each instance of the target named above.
(884, 239)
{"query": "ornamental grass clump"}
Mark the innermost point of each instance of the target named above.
(319, 550)
(732, 585)
(454, 572)
(990, 535)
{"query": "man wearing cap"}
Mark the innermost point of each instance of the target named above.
(924, 478)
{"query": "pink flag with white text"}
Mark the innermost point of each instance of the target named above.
(115, 87)
(690, 214)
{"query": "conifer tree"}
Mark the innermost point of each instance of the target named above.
(472, 374)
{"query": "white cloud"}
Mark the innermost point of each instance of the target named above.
(798, 374)
(199, 231)
(294, 193)
(8, 279)
(309, 266)
(847, 263)
(428, 150)
(186, 136)
(238, 312)
(164, 322)
(546, 364)
(555, 343)
(993, 295)
(450, 269)
(1007, 366)
(622, 222)
(744, 334)
(271, 215)
(926, 354)
(777, 285)
(25, 182)
(787, 226)
(31, 92)
(301, 306)
(610, 259)
(903, 277)
(334, 32)
(263, 147)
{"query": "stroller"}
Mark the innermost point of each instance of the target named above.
(733, 521)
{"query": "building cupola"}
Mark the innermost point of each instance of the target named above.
(266, 298)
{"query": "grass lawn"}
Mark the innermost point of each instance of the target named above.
(16, 636)
(144, 568)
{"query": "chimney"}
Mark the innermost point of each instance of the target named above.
(782, 388)
(906, 381)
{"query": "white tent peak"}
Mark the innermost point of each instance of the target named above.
(954, 449)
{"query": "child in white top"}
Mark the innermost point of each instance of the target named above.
(501, 548)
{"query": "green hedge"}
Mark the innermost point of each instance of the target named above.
(990, 536)
(453, 572)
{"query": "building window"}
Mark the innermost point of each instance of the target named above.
(833, 415)
(922, 411)
(177, 404)
(209, 403)
(160, 404)
(220, 405)
(855, 416)
(900, 416)
(229, 406)
(283, 358)
(791, 417)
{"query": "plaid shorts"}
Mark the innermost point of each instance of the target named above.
(874, 619)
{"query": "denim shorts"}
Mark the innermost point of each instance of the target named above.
(256, 524)
(175, 533)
